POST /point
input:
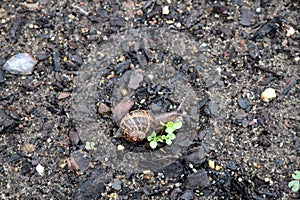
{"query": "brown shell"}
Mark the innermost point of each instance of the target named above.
(137, 125)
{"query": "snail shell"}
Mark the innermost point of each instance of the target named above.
(136, 125)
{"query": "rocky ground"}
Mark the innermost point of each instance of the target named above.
(234, 66)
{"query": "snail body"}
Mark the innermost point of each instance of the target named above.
(138, 124)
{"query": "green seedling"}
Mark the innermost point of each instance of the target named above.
(170, 127)
(295, 184)
(90, 145)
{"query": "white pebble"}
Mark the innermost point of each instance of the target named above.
(121, 147)
(268, 95)
(165, 10)
(291, 31)
(40, 169)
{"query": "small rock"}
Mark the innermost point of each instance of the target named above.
(135, 80)
(268, 95)
(121, 67)
(291, 31)
(218, 168)
(198, 180)
(63, 95)
(243, 101)
(175, 169)
(196, 156)
(40, 169)
(120, 147)
(117, 184)
(211, 164)
(21, 63)
(6, 122)
(187, 195)
(225, 30)
(74, 136)
(80, 161)
(29, 147)
(93, 186)
(220, 9)
(247, 18)
(103, 108)
(165, 10)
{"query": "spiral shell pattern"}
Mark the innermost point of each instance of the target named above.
(137, 125)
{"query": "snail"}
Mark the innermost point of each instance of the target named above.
(138, 124)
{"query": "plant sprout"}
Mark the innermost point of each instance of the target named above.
(90, 145)
(170, 127)
(295, 184)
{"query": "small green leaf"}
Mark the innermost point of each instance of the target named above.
(296, 175)
(170, 124)
(177, 125)
(168, 141)
(295, 185)
(89, 145)
(169, 130)
(151, 137)
(153, 144)
(171, 136)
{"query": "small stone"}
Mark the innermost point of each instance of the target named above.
(29, 147)
(268, 95)
(187, 195)
(211, 164)
(40, 169)
(103, 108)
(120, 147)
(84, 30)
(243, 101)
(291, 31)
(165, 10)
(198, 180)
(21, 64)
(135, 80)
(174, 169)
(117, 184)
(92, 186)
(63, 95)
(196, 156)
(218, 168)
(74, 136)
(247, 18)
(80, 160)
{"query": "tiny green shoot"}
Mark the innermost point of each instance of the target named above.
(90, 145)
(170, 127)
(295, 184)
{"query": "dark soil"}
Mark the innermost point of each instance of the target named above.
(99, 59)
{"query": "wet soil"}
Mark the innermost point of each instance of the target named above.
(59, 124)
